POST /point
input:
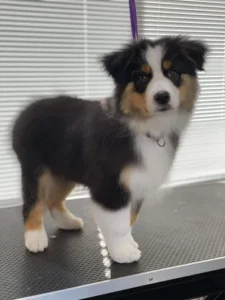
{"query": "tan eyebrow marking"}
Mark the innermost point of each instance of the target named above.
(167, 64)
(146, 68)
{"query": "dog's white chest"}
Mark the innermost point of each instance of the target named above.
(155, 163)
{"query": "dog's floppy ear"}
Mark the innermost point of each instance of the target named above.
(195, 51)
(118, 63)
(113, 62)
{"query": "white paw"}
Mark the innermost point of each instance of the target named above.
(124, 251)
(66, 220)
(36, 240)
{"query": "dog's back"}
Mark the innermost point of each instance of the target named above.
(40, 128)
(47, 134)
(67, 135)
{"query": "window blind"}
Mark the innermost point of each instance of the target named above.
(53, 46)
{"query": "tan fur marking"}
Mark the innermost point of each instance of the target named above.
(167, 64)
(134, 104)
(57, 189)
(188, 91)
(35, 218)
(124, 180)
(133, 217)
(146, 68)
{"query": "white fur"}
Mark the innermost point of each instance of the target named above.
(115, 227)
(149, 175)
(66, 220)
(36, 240)
(161, 124)
(182, 120)
(159, 82)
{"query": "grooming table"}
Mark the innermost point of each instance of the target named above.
(182, 239)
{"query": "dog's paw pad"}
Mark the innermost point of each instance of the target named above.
(36, 240)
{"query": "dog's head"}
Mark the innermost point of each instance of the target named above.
(155, 77)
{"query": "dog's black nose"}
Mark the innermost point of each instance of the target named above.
(162, 98)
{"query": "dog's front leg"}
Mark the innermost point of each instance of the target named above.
(116, 229)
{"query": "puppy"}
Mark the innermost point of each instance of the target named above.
(122, 151)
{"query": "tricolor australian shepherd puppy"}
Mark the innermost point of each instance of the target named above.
(121, 150)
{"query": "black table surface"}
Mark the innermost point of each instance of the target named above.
(186, 226)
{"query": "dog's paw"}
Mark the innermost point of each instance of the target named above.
(66, 220)
(36, 240)
(124, 251)
(72, 223)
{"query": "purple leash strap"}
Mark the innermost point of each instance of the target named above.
(133, 19)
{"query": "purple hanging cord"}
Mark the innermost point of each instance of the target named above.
(133, 19)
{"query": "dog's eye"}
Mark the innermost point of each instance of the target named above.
(173, 75)
(140, 77)
(141, 80)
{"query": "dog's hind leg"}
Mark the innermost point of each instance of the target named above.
(33, 209)
(57, 191)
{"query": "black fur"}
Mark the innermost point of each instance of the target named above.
(190, 53)
(121, 64)
(76, 140)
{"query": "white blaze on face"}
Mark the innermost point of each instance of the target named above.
(159, 83)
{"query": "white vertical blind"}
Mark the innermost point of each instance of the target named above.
(202, 154)
(54, 46)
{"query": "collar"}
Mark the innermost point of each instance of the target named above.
(159, 140)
